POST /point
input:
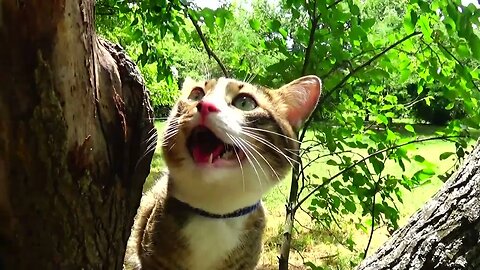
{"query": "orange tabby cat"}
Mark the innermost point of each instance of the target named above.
(227, 142)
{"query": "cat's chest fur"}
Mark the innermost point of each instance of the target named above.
(212, 240)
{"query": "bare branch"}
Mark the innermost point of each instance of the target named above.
(204, 41)
(311, 40)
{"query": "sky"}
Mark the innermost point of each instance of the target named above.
(466, 2)
(207, 3)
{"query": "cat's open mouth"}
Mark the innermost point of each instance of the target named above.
(206, 148)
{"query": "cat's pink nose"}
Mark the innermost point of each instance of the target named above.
(205, 107)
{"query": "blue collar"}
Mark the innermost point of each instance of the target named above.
(237, 213)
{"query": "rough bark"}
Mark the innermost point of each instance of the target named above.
(75, 123)
(444, 234)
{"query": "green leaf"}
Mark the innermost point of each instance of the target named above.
(391, 136)
(332, 162)
(255, 24)
(474, 43)
(425, 27)
(283, 32)
(208, 18)
(274, 25)
(382, 119)
(350, 206)
(462, 50)
(220, 21)
(367, 24)
(410, 128)
(378, 165)
(354, 10)
(408, 23)
(343, 191)
(446, 155)
(134, 22)
(404, 75)
(419, 158)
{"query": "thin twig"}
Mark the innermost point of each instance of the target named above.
(372, 229)
(334, 4)
(363, 160)
(204, 41)
(353, 72)
(458, 61)
(311, 40)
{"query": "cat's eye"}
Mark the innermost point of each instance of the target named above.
(196, 94)
(244, 102)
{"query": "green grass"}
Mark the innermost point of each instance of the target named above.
(311, 241)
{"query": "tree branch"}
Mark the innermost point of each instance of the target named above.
(458, 62)
(311, 40)
(204, 41)
(353, 72)
(293, 196)
(326, 182)
(334, 4)
(372, 228)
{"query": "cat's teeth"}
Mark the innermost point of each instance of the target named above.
(227, 154)
(210, 159)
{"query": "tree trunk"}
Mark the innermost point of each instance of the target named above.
(444, 234)
(76, 135)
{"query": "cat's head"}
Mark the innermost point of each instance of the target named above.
(227, 138)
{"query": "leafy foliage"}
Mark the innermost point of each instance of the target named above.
(385, 66)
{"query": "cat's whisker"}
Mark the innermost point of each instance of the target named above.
(270, 145)
(247, 144)
(272, 132)
(151, 134)
(266, 161)
(252, 78)
(259, 136)
(239, 163)
(170, 133)
(166, 139)
(150, 147)
(173, 145)
(152, 138)
(158, 118)
(246, 152)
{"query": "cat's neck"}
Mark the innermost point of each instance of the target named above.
(216, 199)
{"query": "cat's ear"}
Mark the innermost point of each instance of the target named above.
(300, 97)
(188, 84)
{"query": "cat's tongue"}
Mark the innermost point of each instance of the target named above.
(205, 146)
(206, 153)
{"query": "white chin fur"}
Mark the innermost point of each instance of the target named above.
(220, 190)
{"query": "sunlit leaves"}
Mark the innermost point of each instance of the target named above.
(255, 24)
(410, 21)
